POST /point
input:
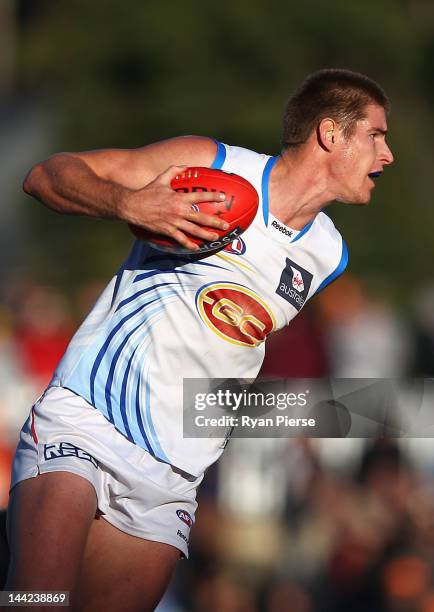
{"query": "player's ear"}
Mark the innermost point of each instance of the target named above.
(326, 133)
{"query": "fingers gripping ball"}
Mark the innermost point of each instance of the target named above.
(238, 209)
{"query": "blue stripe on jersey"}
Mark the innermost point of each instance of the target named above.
(117, 284)
(302, 232)
(140, 277)
(109, 375)
(264, 186)
(136, 295)
(338, 270)
(106, 344)
(139, 417)
(155, 443)
(136, 256)
(142, 291)
(113, 364)
(131, 411)
(123, 402)
(123, 398)
(137, 247)
(178, 262)
(106, 376)
(220, 156)
(117, 354)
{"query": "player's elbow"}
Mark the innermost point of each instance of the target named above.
(32, 182)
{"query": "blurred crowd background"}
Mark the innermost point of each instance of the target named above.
(283, 525)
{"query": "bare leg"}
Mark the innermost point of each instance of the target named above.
(49, 519)
(56, 545)
(122, 572)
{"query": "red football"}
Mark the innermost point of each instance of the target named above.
(238, 209)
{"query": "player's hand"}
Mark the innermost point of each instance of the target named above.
(158, 208)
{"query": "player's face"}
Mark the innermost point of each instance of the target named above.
(361, 158)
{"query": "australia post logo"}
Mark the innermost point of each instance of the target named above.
(235, 313)
(297, 280)
(294, 284)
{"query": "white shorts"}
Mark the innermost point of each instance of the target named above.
(136, 493)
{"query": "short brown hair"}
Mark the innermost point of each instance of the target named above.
(339, 94)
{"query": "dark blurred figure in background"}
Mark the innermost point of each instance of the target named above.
(424, 331)
(4, 550)
(309, 360)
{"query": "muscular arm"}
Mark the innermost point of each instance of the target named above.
(130, 185)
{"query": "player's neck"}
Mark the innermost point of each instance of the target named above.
(298, 187)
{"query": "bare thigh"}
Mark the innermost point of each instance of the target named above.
(122, 572)
(57, 545)
(49, 519)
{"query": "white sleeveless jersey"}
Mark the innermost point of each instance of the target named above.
(165, 317)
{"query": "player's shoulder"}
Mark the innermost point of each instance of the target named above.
(328, 237)
(240, 160)
(333, 248)
(326, 226)
(237, 152)
(197, 150)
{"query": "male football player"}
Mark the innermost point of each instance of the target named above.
(103, 484)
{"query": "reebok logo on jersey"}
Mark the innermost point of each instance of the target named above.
(282, 229)
(66, 449)
(294, 284)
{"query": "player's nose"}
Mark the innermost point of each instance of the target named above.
(386, 155)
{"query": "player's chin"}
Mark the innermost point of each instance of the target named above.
(356, 200)
(364, 201)
(363, 197)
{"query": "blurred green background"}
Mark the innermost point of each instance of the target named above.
(109, 74)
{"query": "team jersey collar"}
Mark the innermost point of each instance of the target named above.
(264, 187)
(282, 232)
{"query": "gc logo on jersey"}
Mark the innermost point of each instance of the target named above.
(294, 284)
(235, 313)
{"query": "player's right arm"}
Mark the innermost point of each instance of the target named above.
(131, 185)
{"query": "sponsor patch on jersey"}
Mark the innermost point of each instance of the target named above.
(235, 313)
(294, 284)
(66, 449)
(185, 517)
(237, 247)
